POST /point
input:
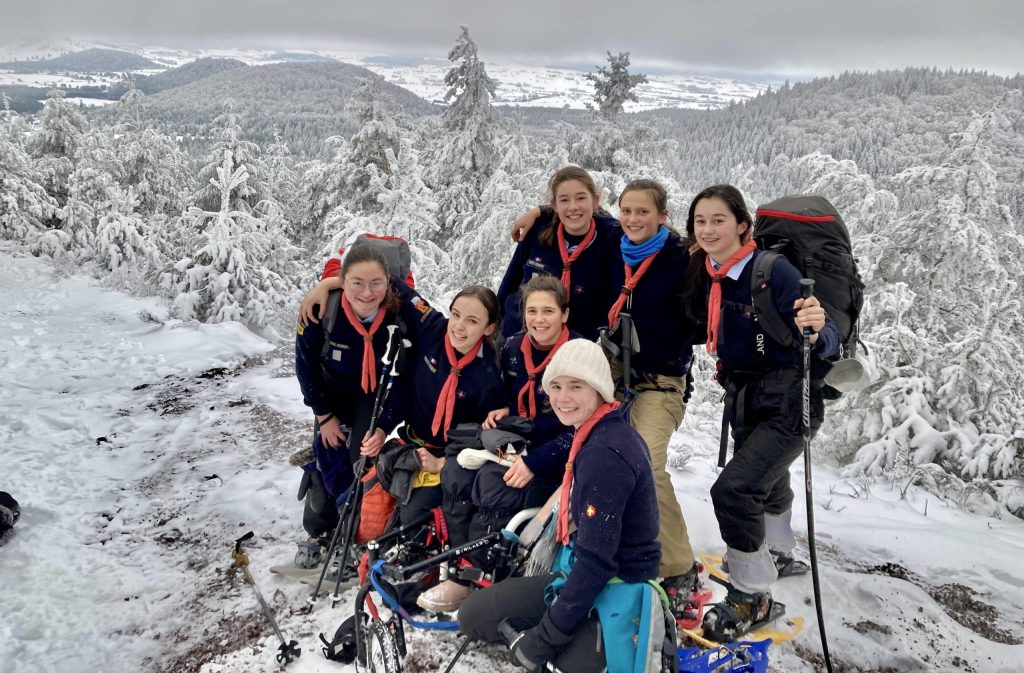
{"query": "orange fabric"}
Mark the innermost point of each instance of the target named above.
(369, 379)
(376, 510)
(527, 400)
(568, 259)
(580, 436)
(715, 297)
(631, 281)
(445, 409)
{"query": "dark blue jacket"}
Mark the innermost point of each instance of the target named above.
(665, 333)
(615, 507)
(739, 349)
(591, 293)
(479, 391)
(550, 439)
(334, 384)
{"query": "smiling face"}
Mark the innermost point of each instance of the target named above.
(575, 206)
(544, 317)
(716, 230)
(573, 400)
(639, 215)
(468, 323)
(365, 285)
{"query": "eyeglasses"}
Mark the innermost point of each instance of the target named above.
(360, 285)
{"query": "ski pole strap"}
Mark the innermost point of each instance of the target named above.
(397, 608)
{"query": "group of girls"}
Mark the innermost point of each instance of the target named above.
(653, 295)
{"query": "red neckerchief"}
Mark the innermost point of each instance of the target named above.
(582, 432)
(568, 259)
(631, 281)
(369, 378)
(527, 400)
(446, 400)
(715, 297)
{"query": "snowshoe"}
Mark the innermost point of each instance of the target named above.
(739, 657)
(739, 614)
(687, 596)
(308, 555)
(789, 566)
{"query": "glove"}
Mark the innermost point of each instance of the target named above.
(534, 647)
(463, 436)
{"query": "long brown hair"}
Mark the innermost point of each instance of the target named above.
(698, 282)
(548, 237)
(485, 296)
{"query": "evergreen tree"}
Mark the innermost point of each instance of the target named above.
(25, 206)
(54, 146)
(243, 154)
(469, 116)
(613, 85)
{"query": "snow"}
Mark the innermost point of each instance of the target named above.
(141, 447)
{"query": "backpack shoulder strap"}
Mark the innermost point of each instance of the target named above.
(765, 312)
(327, 322)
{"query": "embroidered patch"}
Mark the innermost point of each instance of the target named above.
(421, 306)
(590, 511)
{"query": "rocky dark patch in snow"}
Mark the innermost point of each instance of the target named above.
(838, 665)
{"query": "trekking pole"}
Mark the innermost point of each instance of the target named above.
(288, 650)
(345, 531)
(626, 322)
(806, 290)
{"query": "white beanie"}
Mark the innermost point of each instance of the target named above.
(584, 360)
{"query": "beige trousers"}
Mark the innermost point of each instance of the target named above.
(657, 411)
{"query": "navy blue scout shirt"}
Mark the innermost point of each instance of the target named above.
(550, 439)
(615, 508)
(479, 391)
(334, 385)
(738, 345)
(665, 334)
(592, 292)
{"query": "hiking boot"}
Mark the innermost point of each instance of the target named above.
(445, 597)
(789, 566)
(686, 595)
(737, 615)
(308, 554)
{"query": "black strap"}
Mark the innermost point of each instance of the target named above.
(327, 322)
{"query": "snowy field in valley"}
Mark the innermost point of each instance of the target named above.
(141, 447)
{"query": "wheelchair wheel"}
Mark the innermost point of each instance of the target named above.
(381, 649)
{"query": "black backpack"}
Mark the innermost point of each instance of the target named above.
(810, 233)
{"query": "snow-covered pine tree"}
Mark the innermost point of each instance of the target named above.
(950, 327)
(284, 186)
(367, 150)
(243, 154)
(25, 206)
(462, 157)
(53, 146)
(614, 85)
(228, 277)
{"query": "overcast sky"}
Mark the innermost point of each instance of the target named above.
(798, 37)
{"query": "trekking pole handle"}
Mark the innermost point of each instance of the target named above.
(806, 291)
(392, 350)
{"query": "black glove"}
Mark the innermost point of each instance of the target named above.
(463, 436)
(534, 647)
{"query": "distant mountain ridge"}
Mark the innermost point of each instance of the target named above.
(88, 60)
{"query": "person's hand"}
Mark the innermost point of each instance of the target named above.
(429, 462)
(332, 434)
(317, 297)
(519, 475)
(493, 418)
(524, 223)
(372, 443)
(534, 647)
(810, 313)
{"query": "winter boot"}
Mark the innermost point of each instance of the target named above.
(445, 597)
(687, 595)
(739, 614)
(308, 554)
(789, 566)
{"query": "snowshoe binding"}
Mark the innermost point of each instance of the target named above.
(687, 596)
(309, 554)
(739, 614)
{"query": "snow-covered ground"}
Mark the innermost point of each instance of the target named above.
(141, 447)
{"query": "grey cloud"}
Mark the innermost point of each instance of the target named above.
(798, 36)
